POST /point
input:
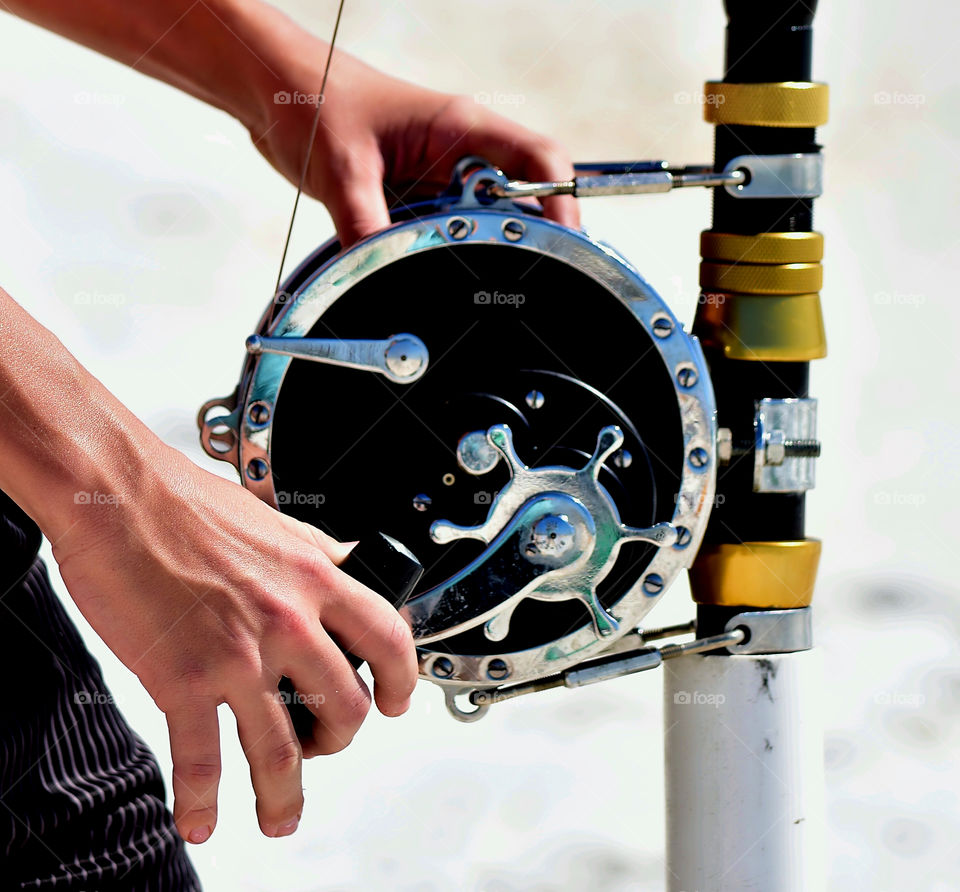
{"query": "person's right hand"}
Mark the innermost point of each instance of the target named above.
(209, 596)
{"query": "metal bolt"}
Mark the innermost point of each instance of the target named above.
(699, 457)
(457, 228)
(535, 399)
(683, 538)
(405, 357)
(422, 502)
(497, 669)
(781, 449)
(257, 469)
(778, 448)
(662, 327)
(552, 536)
(774, 449)
(442, 667)
(801, 448)
(513, 230)
(259, 413)
(653, 584)
(623, 459)
(687, 376)
(475, 454)
(724, 445)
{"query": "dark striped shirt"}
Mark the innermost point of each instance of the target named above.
(82, 803)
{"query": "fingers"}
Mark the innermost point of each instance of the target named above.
(330, 688)
(355, 197)
(354, 192)
(195, 748)
(366, 625)
(273, 752)
(468, 129)
(535, 158)
(334, 549)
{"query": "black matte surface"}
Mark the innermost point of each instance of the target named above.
(364, 447)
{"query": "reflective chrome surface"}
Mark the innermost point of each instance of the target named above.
(777, 176)
(402, 358)
(581, 513)
(622, 183)
(786, 446)
(773, 631)
(475, 454)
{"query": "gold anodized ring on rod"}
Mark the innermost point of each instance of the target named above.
(785, 104)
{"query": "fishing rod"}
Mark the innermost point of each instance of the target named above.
(744, 785)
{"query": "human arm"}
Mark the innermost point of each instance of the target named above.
(374, 129)
(203, 591)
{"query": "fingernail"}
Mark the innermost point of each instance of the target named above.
(199, 835)
(288, 828)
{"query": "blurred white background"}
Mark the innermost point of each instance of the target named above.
(143, 228)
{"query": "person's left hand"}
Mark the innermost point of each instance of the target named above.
(378, 134)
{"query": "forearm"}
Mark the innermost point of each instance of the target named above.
(68, 443)
(229, 53)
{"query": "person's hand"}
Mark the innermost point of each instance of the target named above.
(209, 596)
(377, 134)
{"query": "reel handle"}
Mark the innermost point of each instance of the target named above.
(383, 565)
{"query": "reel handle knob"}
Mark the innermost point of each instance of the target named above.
(383, 565)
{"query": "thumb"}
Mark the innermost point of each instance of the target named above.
(355, 199)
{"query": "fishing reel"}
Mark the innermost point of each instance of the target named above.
(509, 399)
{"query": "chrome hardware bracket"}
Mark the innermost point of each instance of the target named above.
(629, 178)
(777, 176)
(603, 668)
(795, 175)
(772, 631)
(785, 445)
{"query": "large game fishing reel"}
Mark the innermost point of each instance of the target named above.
(510, 400)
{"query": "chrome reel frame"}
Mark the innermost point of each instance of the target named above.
(238, 429)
